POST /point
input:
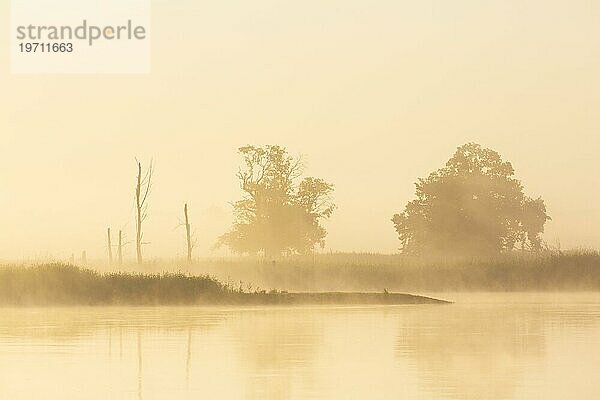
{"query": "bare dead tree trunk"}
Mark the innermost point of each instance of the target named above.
(138, 209)
(110, 254)
(142, 189)
(120, 248)
(187, 233)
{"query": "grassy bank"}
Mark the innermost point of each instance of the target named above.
(68, 285)
(57, 284)
(243, 280)
(565, 271)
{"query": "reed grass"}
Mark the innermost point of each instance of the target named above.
(577, 270)
(60, 284)
(241, 280)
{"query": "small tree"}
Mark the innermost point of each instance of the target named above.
(472, 206)
(142, 190)
(279, 212)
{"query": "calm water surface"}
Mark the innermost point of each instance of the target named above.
(486, 346)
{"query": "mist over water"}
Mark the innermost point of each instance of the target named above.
(492, 346)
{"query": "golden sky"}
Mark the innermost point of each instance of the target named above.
(374, 94)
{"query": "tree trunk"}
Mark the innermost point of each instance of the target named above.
(138, 204)
(120, 249)
(110, 254)
(187, 233)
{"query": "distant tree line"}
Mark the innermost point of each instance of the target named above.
(471, 206)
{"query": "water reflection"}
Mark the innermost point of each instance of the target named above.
(139, 354)
(471, 352)
(188, 360)
(496, 349)
(276, 347)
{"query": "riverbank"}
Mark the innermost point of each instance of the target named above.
(58, 284)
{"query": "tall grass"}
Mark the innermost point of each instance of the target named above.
(58, 284)
(239, 280)
(69, 285)
(571, 270)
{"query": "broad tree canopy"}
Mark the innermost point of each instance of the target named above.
(280, 212)
(472, 206)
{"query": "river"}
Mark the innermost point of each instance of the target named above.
(484, 346)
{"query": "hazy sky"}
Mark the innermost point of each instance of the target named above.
(373, 93)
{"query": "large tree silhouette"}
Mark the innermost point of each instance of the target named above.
(279, 212)
(472, 206)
